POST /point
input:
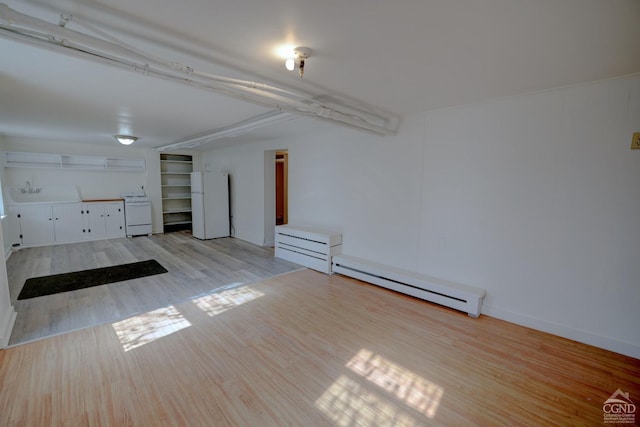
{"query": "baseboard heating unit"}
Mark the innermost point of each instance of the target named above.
(460, 297)
(311, 247)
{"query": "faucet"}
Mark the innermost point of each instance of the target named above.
(29, 189)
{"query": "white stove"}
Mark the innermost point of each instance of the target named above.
(137, 213)
(135, 197)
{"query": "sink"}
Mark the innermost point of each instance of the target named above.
(50, 194)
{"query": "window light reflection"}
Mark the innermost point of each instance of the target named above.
(348, 403)
(140, 330)
(219, 302)
(415, 391)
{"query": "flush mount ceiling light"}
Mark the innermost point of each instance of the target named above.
(125, 139)
(300, 55)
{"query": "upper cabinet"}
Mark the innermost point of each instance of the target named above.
(65, 161)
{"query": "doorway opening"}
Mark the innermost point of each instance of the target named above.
(282, 187)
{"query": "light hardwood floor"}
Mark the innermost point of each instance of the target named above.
(195, 267)
(306, 349)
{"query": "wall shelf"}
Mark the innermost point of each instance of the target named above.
(171, 223)
(174, 211)
(75, 162)
(178, 197)
(176, 190)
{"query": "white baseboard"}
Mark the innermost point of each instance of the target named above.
(6, 326)
(607, 343)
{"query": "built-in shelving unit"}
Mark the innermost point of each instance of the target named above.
(175, 170)
(65, 161)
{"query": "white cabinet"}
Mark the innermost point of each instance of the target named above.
(36, 224)
(92, 222)
(66, 222)
(103, 220)
(114, 219)
(69, 222)
(44, 224)
(175, 175)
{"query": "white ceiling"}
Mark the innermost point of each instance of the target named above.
(395, 57)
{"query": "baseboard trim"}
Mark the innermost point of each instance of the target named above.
(607, 343)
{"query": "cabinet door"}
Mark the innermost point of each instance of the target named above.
(11, 232)
(114, 219)
(93, 227)
(36, 224)
(67, 222)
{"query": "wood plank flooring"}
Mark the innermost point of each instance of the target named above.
(306, 349)
(195, 267)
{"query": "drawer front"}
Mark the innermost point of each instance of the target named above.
(296, 243)
(310, 260)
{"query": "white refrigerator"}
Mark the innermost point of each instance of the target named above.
(210, 204)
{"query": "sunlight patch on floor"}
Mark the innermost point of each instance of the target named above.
(377, 392)
(418, 393)
(142, 329)
(348, 403)
(219, 302)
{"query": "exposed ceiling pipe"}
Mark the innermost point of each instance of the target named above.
(231, 131)
(183, 68)
(26, 28)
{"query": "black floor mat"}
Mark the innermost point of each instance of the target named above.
(54, 284)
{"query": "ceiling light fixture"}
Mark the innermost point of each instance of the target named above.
(125, 139)
(300, 55)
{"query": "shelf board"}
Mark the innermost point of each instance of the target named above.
(176, 185)
(176, 222)
(176, 211)
(123, 168)
(175, 173)
(177, 197)
(189, 162)
(68, 161)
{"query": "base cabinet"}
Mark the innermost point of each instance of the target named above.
(114, 222)
(103, 220)
(92, 222)
(69, 222)
(36, 225)
(66, 220)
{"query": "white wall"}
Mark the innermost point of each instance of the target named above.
(5, 222)
(534, 198)
(7, 313)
